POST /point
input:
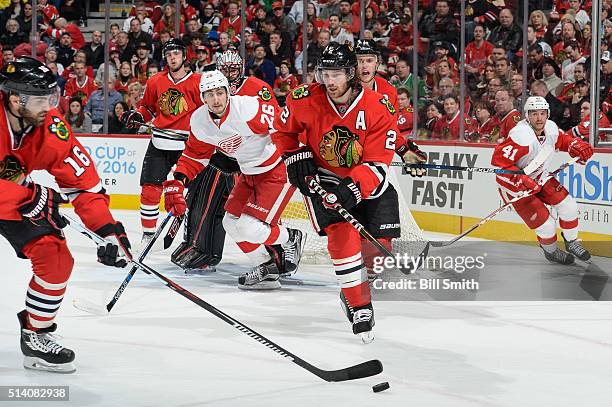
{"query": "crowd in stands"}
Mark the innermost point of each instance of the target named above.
(558, 55)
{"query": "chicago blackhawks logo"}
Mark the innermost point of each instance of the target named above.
(11, 169)
(341, 148)
(388, 105)
(59, 128)
(265, 94)
(172, 102)
(300, 92)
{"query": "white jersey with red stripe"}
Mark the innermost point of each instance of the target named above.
(521, 147)
(241, 133)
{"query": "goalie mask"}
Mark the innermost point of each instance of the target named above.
(231, 65)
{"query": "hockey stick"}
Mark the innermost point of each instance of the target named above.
(168, 133)
(490, 216)
(536, 163)
(172, 231)
(359, 371)
(410, 267)
(90, 307)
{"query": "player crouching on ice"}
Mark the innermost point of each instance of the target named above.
(524, 143)
(237, 127)
(348, 135)
(36, 137)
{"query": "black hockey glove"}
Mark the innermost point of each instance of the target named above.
(411, 154)
(116, 249)
(346, 193)
(132, 119)
(300, 164)
(43, 207)
(224, 164)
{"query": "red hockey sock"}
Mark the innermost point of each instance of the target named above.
(150, 196)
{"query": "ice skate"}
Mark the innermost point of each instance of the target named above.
(42, 351)
(362, 319)
(262, 277)
(202, 270)
(145, 239)
(292, 250)
(559, 256)
(576, 248)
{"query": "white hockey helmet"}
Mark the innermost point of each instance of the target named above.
(535, 103)
(213, 80)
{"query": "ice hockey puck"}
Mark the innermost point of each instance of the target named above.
(380, 387)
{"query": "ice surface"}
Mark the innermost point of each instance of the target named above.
(158, 349)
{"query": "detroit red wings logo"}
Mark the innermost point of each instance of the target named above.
(231, 144)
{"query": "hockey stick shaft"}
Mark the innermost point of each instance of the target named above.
(359, 371)
(501, 208)
(458, 168)
(169, 133)
(315, 186)
(172, 231)
(141, 257)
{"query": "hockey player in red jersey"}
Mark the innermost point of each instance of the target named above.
(348, 135)
(169, 100)
(237, 127)
(524, 143)
(368, 59)
(36, 137)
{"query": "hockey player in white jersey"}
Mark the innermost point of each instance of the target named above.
(238, 127)
(523, 144)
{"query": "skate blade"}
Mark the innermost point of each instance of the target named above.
(34, 363)
(200, 271)
(367, 337)
(264, 285)
(89, 307)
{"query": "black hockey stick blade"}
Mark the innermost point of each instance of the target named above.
(365, 369)
(173, 231)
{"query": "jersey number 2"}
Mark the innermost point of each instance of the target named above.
(83, 159)
(390, 142)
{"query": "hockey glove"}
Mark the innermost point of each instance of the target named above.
(300, 165)
(43, 207)
(132, 119)
(581, 149)
(224, 164)
(411, 154)
(346, 193)
(525, 183)
(174, 199)
(115, 251)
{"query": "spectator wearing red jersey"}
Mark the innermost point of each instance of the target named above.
(447, 127)
(48, 11)
(124, 78)
(284, 82)
(168, 21)
(400, 39)
(477, 52)
(62, 26)
(80, 85)
(232, 20)
(152, 8)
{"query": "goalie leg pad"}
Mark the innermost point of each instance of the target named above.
(204, 235)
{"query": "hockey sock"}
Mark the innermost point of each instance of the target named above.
(150, 197)
(344, 245)
(568, 217)
(369, 251)
(547, 235)
(52, 264)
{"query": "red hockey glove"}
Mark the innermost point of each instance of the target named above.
(132, 119)
(525, 183)
(346, 193)
(411, 154)
(43, 207)
(174, 200)
(115, 251)
(581, 149)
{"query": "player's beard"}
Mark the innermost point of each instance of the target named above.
(35, 120)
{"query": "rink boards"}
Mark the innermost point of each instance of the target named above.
(443, 201)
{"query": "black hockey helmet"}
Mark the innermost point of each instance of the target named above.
(27, 76)
(174, 44)
(366, 47)
(337, 56)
